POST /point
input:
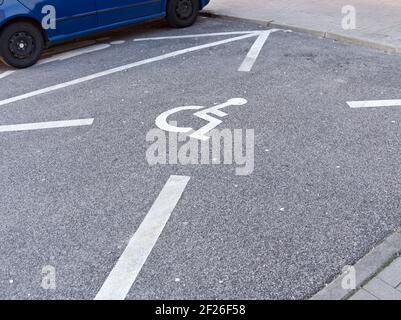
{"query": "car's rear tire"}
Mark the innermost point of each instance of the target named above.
(21, 44)
(182, 13)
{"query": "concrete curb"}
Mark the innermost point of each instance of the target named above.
(318, 33)
(212, 14)
(365, 269)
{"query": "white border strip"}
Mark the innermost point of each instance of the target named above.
(201, 35)
(46, 125)
(374, 103)
(127, 268)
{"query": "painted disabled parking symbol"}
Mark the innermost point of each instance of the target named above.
(205, 146)
(211, 114)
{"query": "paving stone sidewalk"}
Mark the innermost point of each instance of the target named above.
(378, 22)
(385, 286)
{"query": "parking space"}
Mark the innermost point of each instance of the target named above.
(78, 192)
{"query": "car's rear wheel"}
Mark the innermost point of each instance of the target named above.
(182, 13)
(21, 44)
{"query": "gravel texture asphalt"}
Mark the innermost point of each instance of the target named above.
(324, 191)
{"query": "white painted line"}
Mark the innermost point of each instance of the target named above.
(201, 35)
(119, 69)
(6, 73)
(117, 42)
(254, 52)
(75, 53)
(374, 103)
(64, 56)
(128, 266)
(46, 125)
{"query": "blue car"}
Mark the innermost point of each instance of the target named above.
(27, 27)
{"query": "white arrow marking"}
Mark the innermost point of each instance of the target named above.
(128, 266)
(374, 103)
(46, 125)
(121, 68)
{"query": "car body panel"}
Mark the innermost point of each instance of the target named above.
(115, 11)
(11, 9)
(76, 18)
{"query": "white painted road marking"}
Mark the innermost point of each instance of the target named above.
(374, 103)
(46, 125)
(75, 53)
(205, 114)
(254, 52)
(163, 124)
(201, 35)
(64, 56)
(117, 42)
(127, 268)
(6, 73)
(121, 68)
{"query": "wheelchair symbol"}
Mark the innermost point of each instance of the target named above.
(208, 114)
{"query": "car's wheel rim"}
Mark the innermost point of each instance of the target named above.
(184, 9)
(21, 45)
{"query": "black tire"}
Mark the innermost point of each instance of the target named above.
(182, 13)
(21, 44)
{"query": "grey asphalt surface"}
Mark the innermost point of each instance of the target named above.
(73, 197)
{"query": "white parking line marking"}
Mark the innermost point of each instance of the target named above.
(121, 68)
(117, 42)
(64, 56)
(128, 266)
(46, 125)
(254, 52)
(201, 35)
(6, 73)
(75, 53)
(374, 103)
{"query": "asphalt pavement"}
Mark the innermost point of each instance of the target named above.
(324, 189)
